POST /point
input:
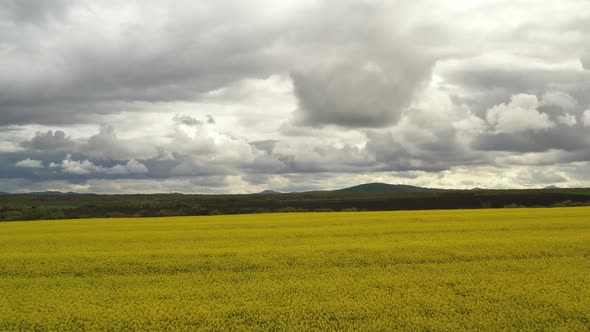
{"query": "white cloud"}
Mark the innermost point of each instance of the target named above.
(135, 167)
(75, 167)
(559, 99)
(86, 167)
(567, 119)
(521, 114)
(29, 163)
(6, 146)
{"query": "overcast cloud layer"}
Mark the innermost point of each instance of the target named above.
(235, 96)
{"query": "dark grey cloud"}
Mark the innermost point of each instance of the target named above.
(49, 141)
(541, 176)
(433, 154)
(486, 85)
(366, 75)
(187, 120)
(525, 80)
(355, 95)
(352, 74)
(257, 179)
(10, 167)
(178, 55)
(562, 138)
(267, 146)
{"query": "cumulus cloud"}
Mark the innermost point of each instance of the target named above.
(107, 145)
(356, 94)
(135, 167)
(49, 141)
(29, 163)
(567, 119)
(488, 80)
(559, 99)
(86, 167)
(367, 79)
(76, 167)
(521, 114)
(521, 127)
(433, 136)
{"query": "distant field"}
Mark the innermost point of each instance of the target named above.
(493, 270)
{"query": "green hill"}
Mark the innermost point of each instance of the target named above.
(385, 188)
(268, 192)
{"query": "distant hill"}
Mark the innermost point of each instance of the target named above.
(385, 188)
(51, 193)
(3, 193)
(268, 192)
(47, 193)
(551, 187)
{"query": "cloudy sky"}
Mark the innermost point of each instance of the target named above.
(233, 96)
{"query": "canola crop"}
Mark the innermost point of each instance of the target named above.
(459, 270)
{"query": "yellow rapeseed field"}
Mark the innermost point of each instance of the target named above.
(488, 270)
